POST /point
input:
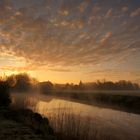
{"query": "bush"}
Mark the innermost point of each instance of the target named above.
(46, 87)
(4, 94)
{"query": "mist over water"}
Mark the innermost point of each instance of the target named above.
(120, 124)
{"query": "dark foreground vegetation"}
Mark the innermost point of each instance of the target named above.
(33, 125)
(20, 123)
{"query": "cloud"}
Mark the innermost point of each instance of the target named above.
(49, 34)
(125, 9)
(18, 69)
(106, 37)
(96, 9)
(64, 12)
(109, 13)
(83, 6)
(135, 13)
(60, 70)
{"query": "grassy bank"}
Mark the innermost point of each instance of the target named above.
(24, 124)
(128, 101)
(19, 123)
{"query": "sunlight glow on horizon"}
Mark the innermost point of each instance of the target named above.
(71, 77)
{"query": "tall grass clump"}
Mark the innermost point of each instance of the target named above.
(23, 102)
(70, 126)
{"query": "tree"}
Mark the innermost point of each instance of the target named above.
(81, 85)
(46, 87)
(4, 94)
(20, 82)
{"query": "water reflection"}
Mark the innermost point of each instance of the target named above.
(107, 119)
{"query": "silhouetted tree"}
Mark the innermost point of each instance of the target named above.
(4, 94)
(81, 85)
(20, 82)
(121, 85)
(46, 87)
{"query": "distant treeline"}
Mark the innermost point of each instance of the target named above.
(101, 85)
(23, 82)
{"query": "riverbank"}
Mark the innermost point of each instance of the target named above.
(122, 101)
(24, 124)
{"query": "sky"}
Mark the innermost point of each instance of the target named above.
(71, 40)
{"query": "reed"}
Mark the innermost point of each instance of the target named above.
(71, 126)
(65, 123)
(23, 102)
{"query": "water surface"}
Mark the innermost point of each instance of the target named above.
(124, 125)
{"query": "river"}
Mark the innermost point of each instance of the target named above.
(125, 126)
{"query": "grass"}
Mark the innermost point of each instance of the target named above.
(23, 102)
(20, 112)
(71, 126)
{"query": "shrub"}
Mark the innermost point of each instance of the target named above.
(46, 87)
(4, 94)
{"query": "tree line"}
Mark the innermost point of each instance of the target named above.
(23, 83)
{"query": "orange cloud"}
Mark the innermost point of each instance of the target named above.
(125, 9)
(109, 13)
(135, 13)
